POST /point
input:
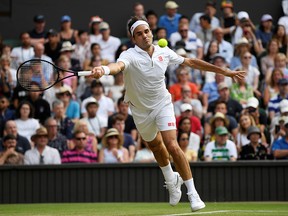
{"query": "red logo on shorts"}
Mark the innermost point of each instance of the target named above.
(171, 124)
(160, 58)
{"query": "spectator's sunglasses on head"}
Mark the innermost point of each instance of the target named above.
(251, 109)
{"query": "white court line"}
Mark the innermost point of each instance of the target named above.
(225, 211)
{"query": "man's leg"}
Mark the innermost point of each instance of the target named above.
(183, 167)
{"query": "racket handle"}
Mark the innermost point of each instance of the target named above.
(84, 73)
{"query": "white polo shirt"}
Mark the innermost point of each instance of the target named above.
(144, 77)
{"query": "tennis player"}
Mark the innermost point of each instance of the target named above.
(150, 102)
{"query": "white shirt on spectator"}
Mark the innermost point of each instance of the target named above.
(50, 156)
(19, 55)
(95, 124)
(195, 22)
(27, 127)
(109, 48)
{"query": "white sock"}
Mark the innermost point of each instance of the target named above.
(168, 173)
(190, 186)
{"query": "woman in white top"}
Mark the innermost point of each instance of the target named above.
(26, 124)
(112, 150)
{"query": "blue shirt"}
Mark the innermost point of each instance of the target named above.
(73, 110)
(169, 23)
(211, 90)
(280, 144)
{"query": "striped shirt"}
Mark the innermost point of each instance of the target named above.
(221, 153)
(75, 156)
(273, 104)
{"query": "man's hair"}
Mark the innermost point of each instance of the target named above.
(135, 19)
(220, 102)
(151, 12)
(56, 103)
(117, 117)
(120, 100)
(206, 17)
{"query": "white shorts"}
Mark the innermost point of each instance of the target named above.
(148, 123)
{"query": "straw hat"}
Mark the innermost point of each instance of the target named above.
(221, 116)
(42, 131)
(112, 132)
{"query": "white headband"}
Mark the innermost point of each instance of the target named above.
(136, 24)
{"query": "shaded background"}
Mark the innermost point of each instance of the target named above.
(16, 16)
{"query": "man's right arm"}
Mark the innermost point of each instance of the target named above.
(111, 69)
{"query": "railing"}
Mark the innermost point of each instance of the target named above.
(215, 181)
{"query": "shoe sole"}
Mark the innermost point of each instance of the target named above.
(199, 207)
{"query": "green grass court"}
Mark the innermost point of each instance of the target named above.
(145, 209)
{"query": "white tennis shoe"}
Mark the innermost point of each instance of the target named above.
(196, 202)
(174, 189)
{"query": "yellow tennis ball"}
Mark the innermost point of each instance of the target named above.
(162, 42)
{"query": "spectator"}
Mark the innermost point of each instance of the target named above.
(118, 122)
(91, 141)
(8, 74)
(42, 153)
(241, 91)
(170, 20)
(67, 33)
(22, 144)
(234, 108)
(284, 19)
(252, 73)
(72, 107)
(106, 104)
(108, 43)
(272, 88)
(6, 113)
(210, 10)
(22, 53)
(10, 155)
(112, 150)
(143, 153)
(205, 34)
(152, 19)
(79, 154)
(212, 50)
(219, 119)
(123, 108)
(187, 98)
(225, 48)
(240, 47)
(192, 44)
(55, 139)
(95, 124)
(183, 141)
(267, 61)
(65, 124)
(280, 146)
(273, 105)
(25, 121)
(41, 106)
(95, 35)
(194, 139)
(116, 90)
(38, 33)
(82, 48)
(221, 149)
(279, 63)
(228, 18)
(280, 35)
(53, 45)
(183, 79)
(254, 150)
(245, 121)
(265, 31)
(67, 50)
(186, 111)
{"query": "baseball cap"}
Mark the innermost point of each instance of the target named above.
(39, 18)
(216, 56)
(184, 107)
(221, 130)
(252, 102)
(253, 130)
(283, 81)
(65, 18)
(242, 40)
(222, 85)
(104, 26)
(242, 15)
(266, 17)
(67, 46)
(171, 5)
(211, 3)
(95, 19)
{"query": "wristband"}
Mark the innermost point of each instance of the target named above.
(106, 70)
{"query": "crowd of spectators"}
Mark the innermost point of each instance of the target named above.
(83, 120)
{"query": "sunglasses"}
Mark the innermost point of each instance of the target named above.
(80, 138)
(251, 109)
(183, 30)
(184, 139)
(247, 57)
(114, 136)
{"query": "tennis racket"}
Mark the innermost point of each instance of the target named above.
(40, 75)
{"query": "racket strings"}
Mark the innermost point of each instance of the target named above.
(37, 75)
